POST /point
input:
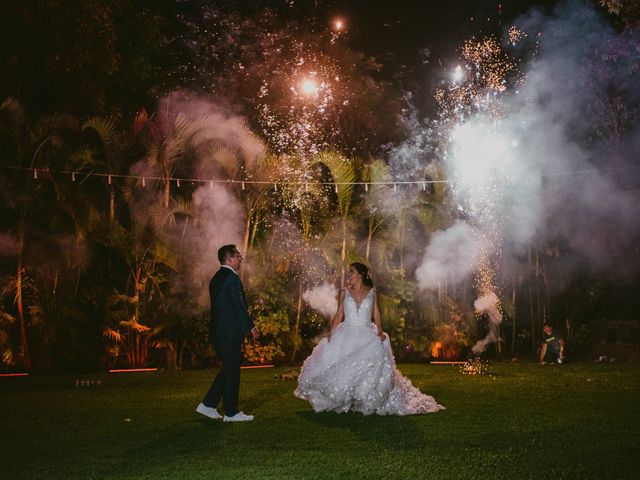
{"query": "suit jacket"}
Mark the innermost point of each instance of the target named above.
(229, 316)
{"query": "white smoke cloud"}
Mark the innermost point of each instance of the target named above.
(570, 176)
(488, 304)
(223, 146)
(564, 184)
(323, 299)
(451, 256)
(220, 222)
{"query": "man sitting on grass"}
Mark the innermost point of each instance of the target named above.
(552, 347)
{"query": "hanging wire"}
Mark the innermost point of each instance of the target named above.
(242, 183)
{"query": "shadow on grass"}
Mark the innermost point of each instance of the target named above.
(181, 445)
(392, 432)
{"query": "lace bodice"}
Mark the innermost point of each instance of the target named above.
(355, 314)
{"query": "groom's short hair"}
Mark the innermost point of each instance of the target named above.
(225, 252)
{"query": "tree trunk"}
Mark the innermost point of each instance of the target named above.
(401, 239)
(112, 205)
(343, 251)
(247, 233)
(296, 327)
(369, 238)
(513, 319)
(24, 344)
(532, 319)
(167, 191)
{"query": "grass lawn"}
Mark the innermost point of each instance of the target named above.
(516, 421)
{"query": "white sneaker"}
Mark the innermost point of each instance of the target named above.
(239, 417)
(208, 411)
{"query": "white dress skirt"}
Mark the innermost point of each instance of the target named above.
(356, 371)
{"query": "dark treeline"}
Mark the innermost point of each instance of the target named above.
(136, 137)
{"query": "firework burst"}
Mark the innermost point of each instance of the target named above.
(480, 157)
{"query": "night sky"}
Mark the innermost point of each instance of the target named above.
(403, 29)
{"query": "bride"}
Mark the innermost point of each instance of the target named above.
(353, 367)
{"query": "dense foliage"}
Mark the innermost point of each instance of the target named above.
(137, 137)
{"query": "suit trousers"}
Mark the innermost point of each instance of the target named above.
(226, 385)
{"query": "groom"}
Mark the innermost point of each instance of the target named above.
(229, 324)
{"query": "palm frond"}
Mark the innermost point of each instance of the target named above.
(376, 172)
(343, 175)
(12, 115)
(112, 334)
(134, 325)
(106, 129)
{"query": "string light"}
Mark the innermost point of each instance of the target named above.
(143, 182)
(73, 176)
(194, 181)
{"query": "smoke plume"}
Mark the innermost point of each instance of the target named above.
(323, 299)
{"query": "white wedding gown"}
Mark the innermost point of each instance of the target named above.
(356, 370)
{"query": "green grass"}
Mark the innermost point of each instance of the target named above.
(517, 421)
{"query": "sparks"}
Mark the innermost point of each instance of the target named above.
(309, 87)
(458, 74)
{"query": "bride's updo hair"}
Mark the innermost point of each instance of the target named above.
(362, 269)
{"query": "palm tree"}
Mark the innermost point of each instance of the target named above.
(304, 205)
(168, 140)
(107, 152)
(133, 307)
(35, 146)
(343, 175)
(378, 173)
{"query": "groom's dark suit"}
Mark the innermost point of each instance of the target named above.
(229, 324)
